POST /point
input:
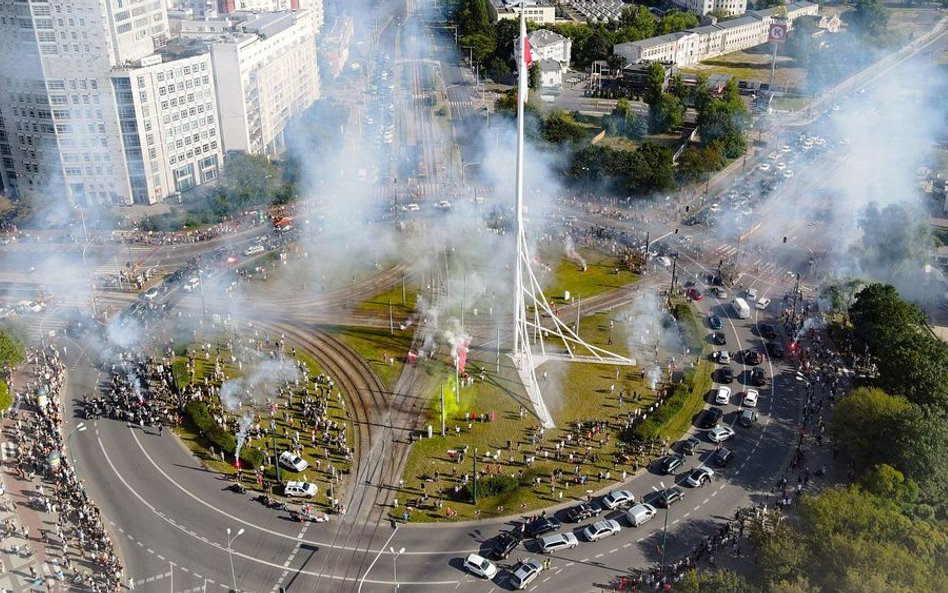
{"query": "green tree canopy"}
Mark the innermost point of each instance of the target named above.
(864, 422)
(13, 341)
(676, 20)
(919, 446)
(654, 83)
(667, 114)
(560, 127)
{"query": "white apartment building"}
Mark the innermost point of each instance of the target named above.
(265, 74)
(694, 45)
(168, 120)
(704, 7)
(315, 7)
(547, 45)
(59, 134)
(536, 11)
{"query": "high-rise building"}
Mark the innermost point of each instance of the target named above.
(265, 74)
(58, 129)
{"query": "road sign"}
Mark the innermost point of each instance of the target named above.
(778, 33)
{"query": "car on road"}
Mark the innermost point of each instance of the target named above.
(719, 434)
(723, 456)
(719, 292)
(719, 338)
(670, 463)
(443, 205)
(151, 294)
(751, 357)
(191, 284)
(291, 460)
(601, 529)
(776, 349)
(714, 322)
(254, 250)
(762, 303)
(726, 375)
(758, 377)
(764, 167)
(300, 489)
(710, 417)
(504, 544)
(525, 573)
(558, 541)
(723, 356)
(582, 511)
(617, 498)
(639, 514)
(412, 207)
(750, 398)
(767, 331)
(748, 418)
(670, 496)
(722, 396)
(751, 294)
(693, 294)
(690, 445)
(700, 476)
(542, 525)
(480, 566)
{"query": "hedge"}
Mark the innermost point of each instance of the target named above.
(198, 413)
(650, 428)
(6, 399)
(690, 327)
(493, 486)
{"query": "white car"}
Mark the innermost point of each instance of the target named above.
(788, 174)
(764, 166)
(291, 460)
(254, 250)
(639, 514)
(480, 566)
(723, 395)
(617, 498)
(762, 303)
(151, 294)
(724, 357)
(750, 398)
(752, 294)
(781, 166)
(700, 476)
(719, 434)
(34, 306)
(601, 529)
(300, 489)
(557, 542)
(192, 284)
(411, 207)
(443, 205)
(525, 573)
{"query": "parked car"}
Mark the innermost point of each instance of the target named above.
(726, 375)
(748, 418)
(292, 461)
(723, 395)
(710, 417)
(750, 398)
(480, 566)
(719, 434)
(751, 294)
(694, 294)
(670, 463)
(617, 498)
(558, 541)
(670, 496)
(751, 357)
(525, 573)
(724, 357)
(700, 476)
(542, 525)
(758, 377)
(254, 250)
(719, 338)
(582, 511)
(714, 322)
(762, 303)
(690, 445)
(775, 349)
(300, 489)
(639, 514)
(767, 331)
(723, 457)
(601, 529)
(504, 544)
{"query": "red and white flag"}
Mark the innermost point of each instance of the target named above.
(525, 58)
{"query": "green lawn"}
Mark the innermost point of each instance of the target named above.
(384, 351)
(567, 275)
(6, 399)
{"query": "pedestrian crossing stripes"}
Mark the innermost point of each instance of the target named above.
(117, 264)
(725, 250)
(8, 452)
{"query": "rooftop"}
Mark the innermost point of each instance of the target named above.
(544, 38)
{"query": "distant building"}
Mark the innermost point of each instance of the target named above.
(536, 11)
(547, 45)
(551, 74)
(265, 74)
(694, 45)
(334, 46)
(704, 7)
(635, 76)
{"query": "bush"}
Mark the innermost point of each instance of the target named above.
(650, 428)
(199, 415)
(690, 327)
(6, 400)
(493, 486)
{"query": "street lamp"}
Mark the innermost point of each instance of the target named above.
(665, 528)
(395, 556)
(230, 554)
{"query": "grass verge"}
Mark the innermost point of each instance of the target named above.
(6, 399)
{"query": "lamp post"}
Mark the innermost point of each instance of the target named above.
(395, 556)
(273, 438)
(665, 528)
(230, 554)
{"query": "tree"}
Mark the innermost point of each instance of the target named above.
(560, 127)
(801, 44)
(781, 552)
(676, 20)
(13, 341)
(765, 4)
(534, 75)
(482, 46)
(721, 581)
(695, 163)
(895, 240)
(676, 86)
(920, 443)
(598, 46)
(889, 484)
(636, 23)
(650, 169)
(725, 120)
(654, 83)
(702, 93)
(865, 421)
(666, 115)
(247, 180)
(870, 19)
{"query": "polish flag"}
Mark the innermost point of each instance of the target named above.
(527, 58)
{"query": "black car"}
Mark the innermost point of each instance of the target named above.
(669, 496)
(723, 457)
(690, 445)
(726, 375)
(714, 322)
(758, 378)
(768, 331)
(751, 357)
(582, 511)
(670, 463)
(542, 525)
(776, 349)
(506, 543)
(718, 338)
(710, 417)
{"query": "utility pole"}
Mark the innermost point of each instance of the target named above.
(391, 321)
(671, 289)
(442, 408)
(276, 460)
(474, 476)
(579, 302)
(648, 242)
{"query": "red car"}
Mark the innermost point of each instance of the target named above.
(693, 294)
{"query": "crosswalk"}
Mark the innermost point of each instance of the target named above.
(117, 264)
(8, 452)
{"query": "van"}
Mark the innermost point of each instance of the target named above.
(640, 514)
(748, 418)
(741, 309)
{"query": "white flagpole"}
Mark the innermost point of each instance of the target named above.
(521, 237)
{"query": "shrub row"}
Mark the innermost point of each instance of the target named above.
(650, 428)
(493, 486)
(200, 416)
